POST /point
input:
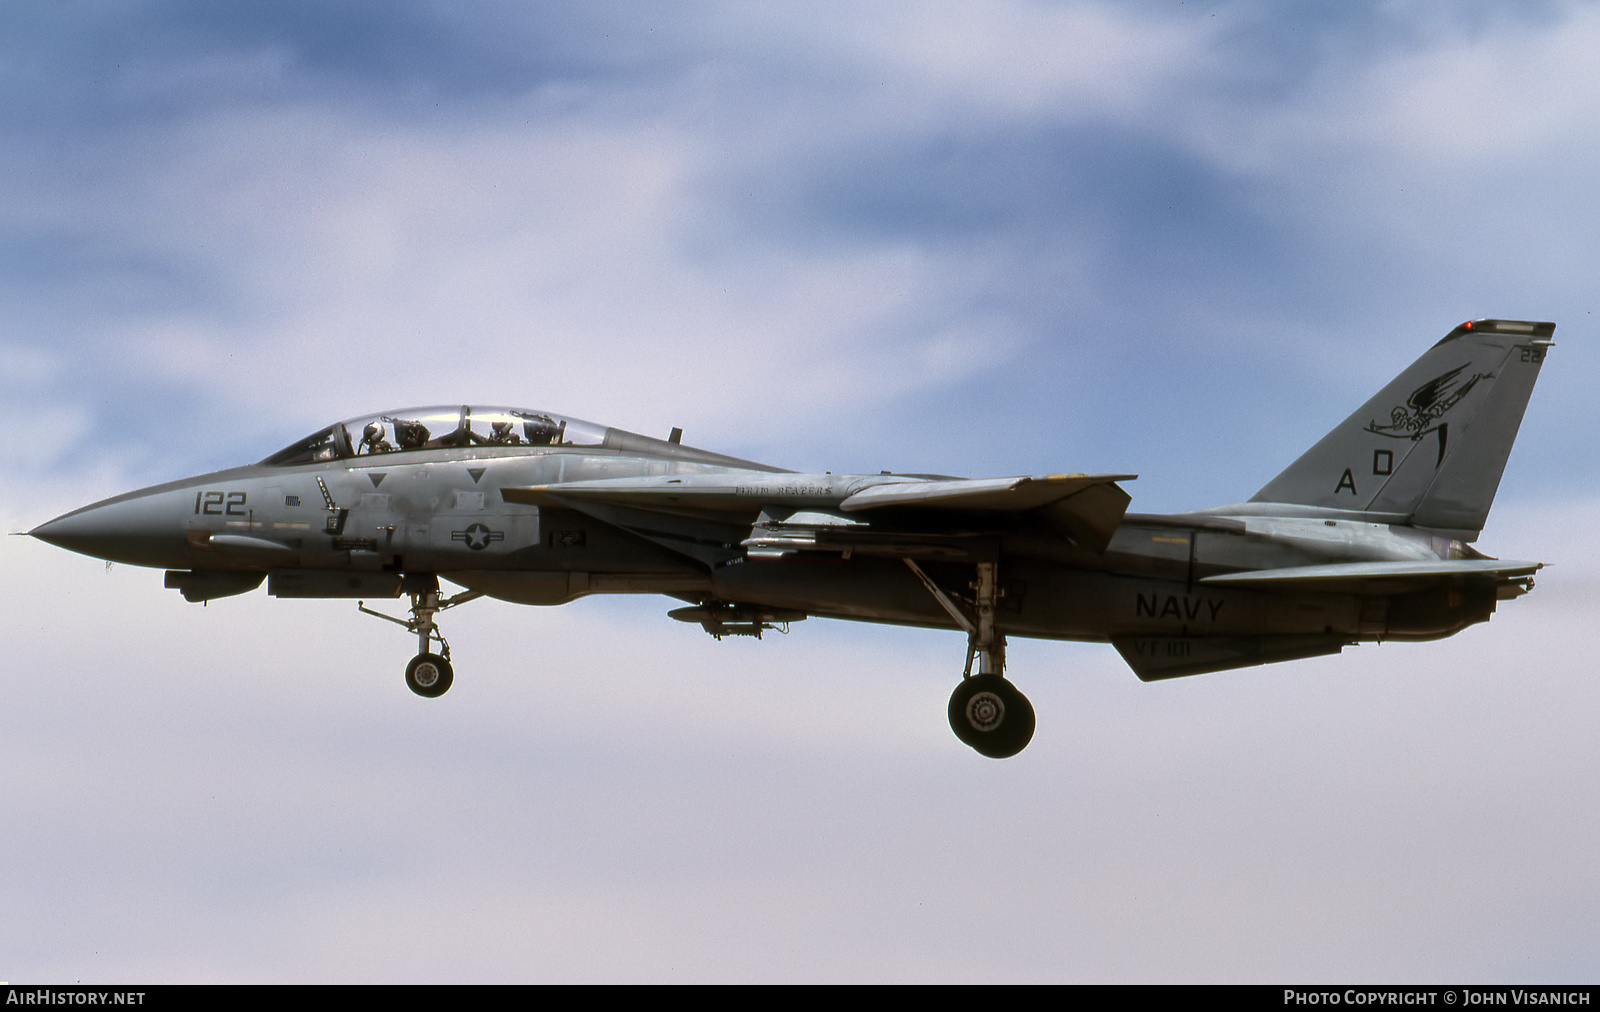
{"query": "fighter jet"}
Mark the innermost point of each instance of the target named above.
(1366, 537)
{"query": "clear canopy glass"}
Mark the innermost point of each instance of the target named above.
(439, 428)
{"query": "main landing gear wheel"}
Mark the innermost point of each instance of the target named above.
(992, 716)
(429, 675)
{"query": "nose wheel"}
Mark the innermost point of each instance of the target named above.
(429, 674)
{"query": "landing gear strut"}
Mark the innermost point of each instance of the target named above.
(987, 713)
(429, 674)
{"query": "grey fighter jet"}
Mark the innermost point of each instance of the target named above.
(1367, 537)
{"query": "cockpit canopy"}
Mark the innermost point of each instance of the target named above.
(438, 428)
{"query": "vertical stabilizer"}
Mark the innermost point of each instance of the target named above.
(1433, 443)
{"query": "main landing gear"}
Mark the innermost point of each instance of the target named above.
(991, 715)
(987, 713)
(429, 674)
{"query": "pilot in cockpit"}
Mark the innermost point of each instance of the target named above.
(543, 430)
(501, 434)
(373, 441)
(411, 435)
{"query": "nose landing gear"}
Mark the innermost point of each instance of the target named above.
(429, 674)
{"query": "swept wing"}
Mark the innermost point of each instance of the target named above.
(1084, 507)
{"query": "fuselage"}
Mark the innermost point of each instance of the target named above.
(353, 527)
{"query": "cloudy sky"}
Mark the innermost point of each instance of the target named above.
(1174, 238)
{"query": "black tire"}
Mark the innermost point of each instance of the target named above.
(989, 714)
(429, 675)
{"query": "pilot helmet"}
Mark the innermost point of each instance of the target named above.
(412, 435)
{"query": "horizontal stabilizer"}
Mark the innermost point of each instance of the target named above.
(1153, 658)
(1375, 577)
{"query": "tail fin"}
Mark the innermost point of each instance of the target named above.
(1433, 443)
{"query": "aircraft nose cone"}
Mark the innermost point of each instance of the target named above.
(87, 531)
(70, 531)
(130, 531)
